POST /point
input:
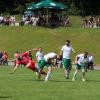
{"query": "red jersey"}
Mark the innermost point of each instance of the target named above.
(25, 61)
(25, 54)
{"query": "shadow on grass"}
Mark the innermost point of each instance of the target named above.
(5, 97)
(98, 81)
(60, 81)
(34, 80)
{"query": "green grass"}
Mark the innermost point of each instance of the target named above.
(27, 37)
(24, 85)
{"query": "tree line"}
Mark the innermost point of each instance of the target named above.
(75, 7)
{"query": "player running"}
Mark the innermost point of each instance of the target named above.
(25, 60)
(47, 61)
(81, 63)
(66, 51)
(39, 56)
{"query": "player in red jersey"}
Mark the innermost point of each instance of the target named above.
(25, 60)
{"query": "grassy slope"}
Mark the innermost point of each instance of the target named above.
(24, 85)
(24, 38)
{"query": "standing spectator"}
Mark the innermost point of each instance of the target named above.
(1, 54)
(66, 51)
(91, 22)
(5, 58)
(98, 22)
(1, 20)
(90, 63)
(67, 22)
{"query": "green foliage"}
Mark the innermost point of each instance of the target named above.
(80, 7)
(73, 9)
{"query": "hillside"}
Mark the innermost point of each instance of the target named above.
(27, 37)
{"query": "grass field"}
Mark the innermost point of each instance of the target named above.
(25, 38)
(24, 85)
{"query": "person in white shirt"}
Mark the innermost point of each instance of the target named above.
(1, 19)
(91, 62)
(66, 51)
(39, 56)
(81, 63)
(47, 61)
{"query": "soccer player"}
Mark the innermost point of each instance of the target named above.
(16, 55)
(66, 51)
(81, 63)
(39, 56)
(25, 60)
(47, 61)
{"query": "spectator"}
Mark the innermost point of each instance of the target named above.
(91, 62)
(5, 58)
(1, 54)
(1, 20)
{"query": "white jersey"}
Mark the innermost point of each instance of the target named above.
(49, 56)
(1, 18)
(80, 55)
(91, 58)
(67, 50)
(82, 60)
(39, 55)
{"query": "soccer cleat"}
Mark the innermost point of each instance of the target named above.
(83, 80)
(73, 79)
(46, 79)
(67, 77)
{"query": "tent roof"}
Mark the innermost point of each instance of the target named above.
(47, 4)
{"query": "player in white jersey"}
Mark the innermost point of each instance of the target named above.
(66, 51)
(47, 61)
(81, 63)
(39, 56)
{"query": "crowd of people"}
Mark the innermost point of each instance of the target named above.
(52, 20)
(36, 20)
(92, 22)
(83, 61)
